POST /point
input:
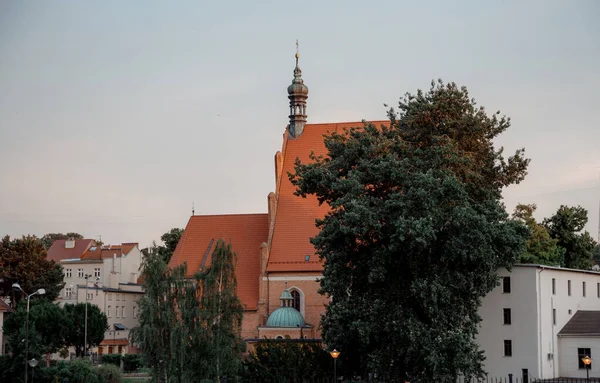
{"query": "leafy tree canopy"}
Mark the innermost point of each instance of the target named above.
(47, 322)
(189, 330)
(541, 248)
(23, 261)
(97, 324)
(415, 234)
(566, 226)
(48, 239)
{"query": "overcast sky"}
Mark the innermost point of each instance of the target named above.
(116, 115)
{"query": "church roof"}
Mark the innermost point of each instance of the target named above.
(295, 216)
(246, 232)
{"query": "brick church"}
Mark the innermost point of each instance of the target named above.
(277, 269)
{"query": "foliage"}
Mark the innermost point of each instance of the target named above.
(566, 226)
(47, 321)
(97, 324)
(108, 374)
(288, 360)
(23, 261)
(48, 239)
(189, 330)
(131, 362)
(540, 249)
(114, 359)
(596, 253)
(170, 239)
(414, 237)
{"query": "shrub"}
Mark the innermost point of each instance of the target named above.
(109, 374)
(112, 359)
(131, 362)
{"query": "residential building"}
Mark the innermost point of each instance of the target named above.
(105, 276)
(540, 322)
(5, 310)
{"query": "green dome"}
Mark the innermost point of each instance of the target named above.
(285, 317)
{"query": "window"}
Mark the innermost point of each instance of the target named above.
(120, 349)
(598, 289)
(80, 273)
(110, 349)
(123, 311)
(553, 286)
(506, 285)
(569, 287)
(68, 273)
(90, 296)
(117, 311)
(117, 296)
(134, 313)
(507, 347)
(296, 301)
(108, 312)
(583, 288)
(68, 292)
(97, 272)
(110, 296)
(507, 316)
(582, 353)
(570, 311)
(554, 317)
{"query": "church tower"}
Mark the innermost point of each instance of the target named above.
(297, 93)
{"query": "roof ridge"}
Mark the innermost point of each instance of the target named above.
(226, 215)
(347, 122)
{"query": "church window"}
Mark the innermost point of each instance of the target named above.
(296, 301)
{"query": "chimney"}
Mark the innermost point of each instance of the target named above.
(70, 243)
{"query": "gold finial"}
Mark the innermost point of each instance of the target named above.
(297, 54)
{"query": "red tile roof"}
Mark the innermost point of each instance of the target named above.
(114, 342)
(57, 251)
(246, 232)
(295, 216)
(5, 307)
(108, 251)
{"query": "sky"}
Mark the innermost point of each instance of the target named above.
(117, 116)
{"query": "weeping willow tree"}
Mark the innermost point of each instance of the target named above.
(189, 329)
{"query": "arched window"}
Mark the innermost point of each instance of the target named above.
(296, 301)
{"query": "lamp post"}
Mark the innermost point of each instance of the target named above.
(334, 354)
(16, 286)
(85, 348)
(587, 361)
(33, 363)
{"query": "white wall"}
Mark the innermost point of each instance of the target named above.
(569, 360)
(89, 267)
(522, 300)
(562, 303)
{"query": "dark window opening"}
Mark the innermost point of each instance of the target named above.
(553, 286)
(554, 317)
(583, 288)
(507, 316)
(506, 285)
(296, 301)
(569, 287)
(508, 348)
(582, 353)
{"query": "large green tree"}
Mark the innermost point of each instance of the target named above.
(541, 248)
(97, 324)
(47, 323)
(566, 226)
(415, 235)
(189, 329)
(24, 261)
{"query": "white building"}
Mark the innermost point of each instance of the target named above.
(106, 276)
(5, 310)
(540, 322)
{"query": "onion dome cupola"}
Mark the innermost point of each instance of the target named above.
(286, 315)
(297, 93)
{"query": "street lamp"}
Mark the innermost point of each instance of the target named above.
(85, 348)
(587, 361)
(17, 287)
(33, 363)
(334, 354)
